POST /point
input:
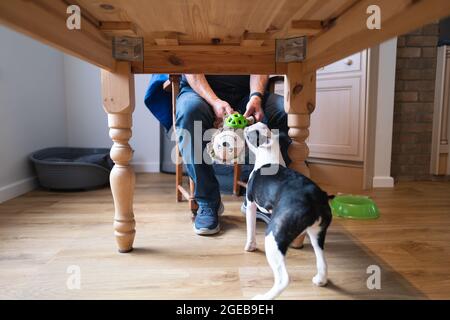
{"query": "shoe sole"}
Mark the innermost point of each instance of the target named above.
(206, 231)
(259, 216)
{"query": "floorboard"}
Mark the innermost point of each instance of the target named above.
(43, 233)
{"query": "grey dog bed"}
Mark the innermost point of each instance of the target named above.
(66, 168)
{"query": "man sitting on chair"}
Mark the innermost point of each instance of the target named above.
(205, 99)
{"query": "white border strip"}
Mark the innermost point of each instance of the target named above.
(17, 188)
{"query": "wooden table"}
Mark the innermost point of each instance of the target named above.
(211, 37)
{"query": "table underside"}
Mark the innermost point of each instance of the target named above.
(216, 36)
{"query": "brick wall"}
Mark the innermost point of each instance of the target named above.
(413, 109)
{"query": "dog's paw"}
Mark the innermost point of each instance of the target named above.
(260, 297)
(320, 280)
(250, 246)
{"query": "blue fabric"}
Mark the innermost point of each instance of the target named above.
(158, 101)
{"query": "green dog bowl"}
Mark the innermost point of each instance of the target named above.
(354, 207)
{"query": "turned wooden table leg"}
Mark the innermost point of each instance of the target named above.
(118, 102)
(299, 103)
(298, 242)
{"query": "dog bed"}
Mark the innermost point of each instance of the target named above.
(66, 168)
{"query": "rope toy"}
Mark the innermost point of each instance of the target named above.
(227, 143)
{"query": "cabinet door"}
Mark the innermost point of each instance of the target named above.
(337, 123)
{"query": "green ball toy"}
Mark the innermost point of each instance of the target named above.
(236, 121)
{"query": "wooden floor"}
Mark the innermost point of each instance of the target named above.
(43, 233)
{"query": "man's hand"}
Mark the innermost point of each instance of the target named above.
(201, 86)
(221, 108)
(254, 108)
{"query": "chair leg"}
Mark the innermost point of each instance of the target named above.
(192, 203)
(178, 174)
(237, 176)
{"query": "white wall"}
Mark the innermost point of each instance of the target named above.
(50, 99)
(87, 124)
(32, 108)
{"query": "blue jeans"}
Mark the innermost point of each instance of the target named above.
(191, 107)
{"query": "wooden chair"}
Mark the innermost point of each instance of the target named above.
(173, 85)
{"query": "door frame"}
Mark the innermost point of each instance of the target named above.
(381, 71)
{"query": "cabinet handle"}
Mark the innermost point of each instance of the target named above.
(349, 62)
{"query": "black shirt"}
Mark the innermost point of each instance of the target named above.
(237, 84)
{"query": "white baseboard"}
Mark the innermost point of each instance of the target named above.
(383, 182)
(17, 188)
(145, 166)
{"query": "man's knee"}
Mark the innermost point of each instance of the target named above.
(191, 108)
(277, 102)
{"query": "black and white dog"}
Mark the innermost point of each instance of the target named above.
(296, 203)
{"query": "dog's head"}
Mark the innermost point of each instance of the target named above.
(258, 136)
(265, 146)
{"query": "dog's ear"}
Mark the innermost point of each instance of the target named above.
(251, 137)
(258, 135)
(265, 138)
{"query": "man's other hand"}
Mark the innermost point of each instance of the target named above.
(221, 108)
(254, 108)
